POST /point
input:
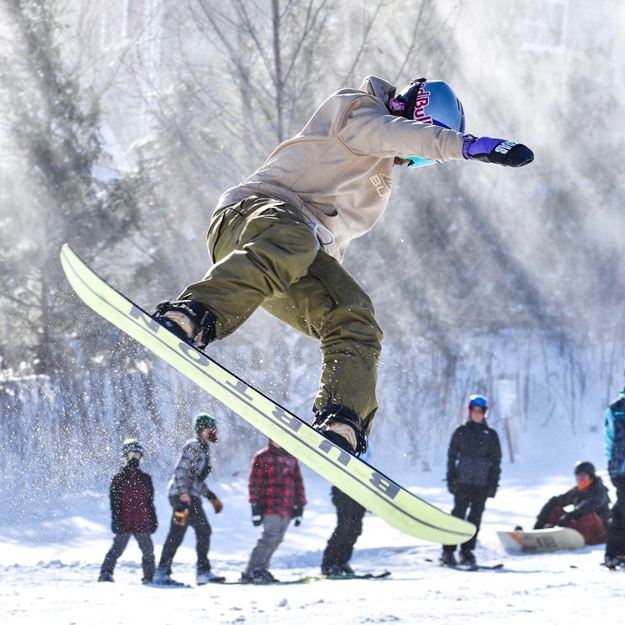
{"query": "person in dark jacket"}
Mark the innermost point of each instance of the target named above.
(473, 470)
(133, 513)
(591, 506)
(186, 488)
(615, 452)
(277, 495)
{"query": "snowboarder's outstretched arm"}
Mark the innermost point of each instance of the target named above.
(368, 128)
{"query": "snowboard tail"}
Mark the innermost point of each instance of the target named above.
(371, 488)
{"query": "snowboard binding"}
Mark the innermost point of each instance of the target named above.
(331, 422)
(191, 321)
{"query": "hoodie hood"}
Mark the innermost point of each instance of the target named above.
(378, 87)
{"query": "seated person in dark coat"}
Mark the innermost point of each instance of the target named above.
(591, 506)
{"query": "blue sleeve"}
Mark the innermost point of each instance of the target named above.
(609, 433)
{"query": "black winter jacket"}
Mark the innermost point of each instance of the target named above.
(593, 499)
(474, 457)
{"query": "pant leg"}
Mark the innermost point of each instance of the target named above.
(615, 545)
(591, 527)
(174, 539)
(274, 528)
(260, 247)
(477, 505)
(266, 254)
(120, 541)
(147, 552)
(549, 514)
(199, 522)
(349, 515)
(328, 304)
(462, 500)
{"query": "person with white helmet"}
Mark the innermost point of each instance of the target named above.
(132, 511)
(278, 238)
(473, 470)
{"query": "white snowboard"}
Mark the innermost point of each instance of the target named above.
(541, 541)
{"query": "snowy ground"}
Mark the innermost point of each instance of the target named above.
(48, 570)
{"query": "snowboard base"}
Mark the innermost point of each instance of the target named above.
(541, 541)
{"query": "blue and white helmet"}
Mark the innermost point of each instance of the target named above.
(429, 102)
(478, 401)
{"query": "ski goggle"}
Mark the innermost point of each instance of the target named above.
(130, 455)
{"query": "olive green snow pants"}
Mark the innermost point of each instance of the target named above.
(266, 254)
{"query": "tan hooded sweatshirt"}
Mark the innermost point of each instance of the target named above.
(337, 170)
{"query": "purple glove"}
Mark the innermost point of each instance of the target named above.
(498, 151)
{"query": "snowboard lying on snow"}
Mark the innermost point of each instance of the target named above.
(541, 541)
(368, 486)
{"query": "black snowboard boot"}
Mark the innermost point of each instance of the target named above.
(191, 321)
(337, 570)
(258, 576)
(614, 562)
(106, 577)
(467, 558)
(448, 558)
(162, 577)
(343, 427)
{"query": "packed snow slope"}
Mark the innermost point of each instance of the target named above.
(50, 564)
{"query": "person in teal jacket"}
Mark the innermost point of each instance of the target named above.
(615, 453)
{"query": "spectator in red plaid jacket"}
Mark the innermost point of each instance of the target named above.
(277, 496)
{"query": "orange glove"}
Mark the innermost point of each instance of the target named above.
(217, 504)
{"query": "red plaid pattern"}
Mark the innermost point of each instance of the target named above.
(276, 482)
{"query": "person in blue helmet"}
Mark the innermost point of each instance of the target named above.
(278, 238)
(473, 470)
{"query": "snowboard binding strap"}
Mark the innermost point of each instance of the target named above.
(189, 320)
(335, 413)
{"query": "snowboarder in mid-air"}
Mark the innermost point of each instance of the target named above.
(277, 496)
(591, 506)
(473, 470)
(277, 239)
(132, 511)
(186, 488)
